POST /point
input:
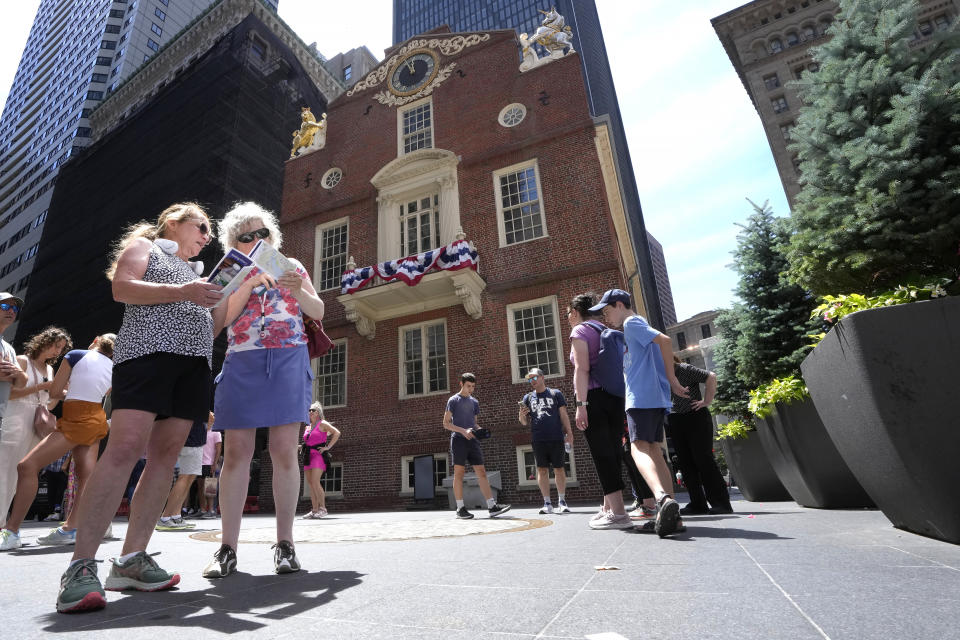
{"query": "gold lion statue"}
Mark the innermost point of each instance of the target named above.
(309, 128)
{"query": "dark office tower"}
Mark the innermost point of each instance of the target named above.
(209, 120)
(411, 17)
(663, 281)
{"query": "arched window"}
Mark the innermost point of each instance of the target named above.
(809, 33)
(776, 46)
(793, 39)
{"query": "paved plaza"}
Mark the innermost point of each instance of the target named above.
(771, 570)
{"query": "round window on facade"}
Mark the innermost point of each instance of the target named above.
(332, 178)
(512, 114)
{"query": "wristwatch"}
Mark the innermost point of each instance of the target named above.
(577, 403)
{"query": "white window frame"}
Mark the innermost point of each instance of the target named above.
(402, 378)
(330, 494)
(433, 124)
(318, 250)
(512, 336)
(404, 217)
(525, 483)
(315, 363)
(405, 488)
(501, 226)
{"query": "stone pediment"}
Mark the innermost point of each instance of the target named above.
(409, 167)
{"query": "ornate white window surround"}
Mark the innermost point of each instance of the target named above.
(408, 176)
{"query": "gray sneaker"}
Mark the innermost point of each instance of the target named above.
(57, 536)
(285, 558)
(80, 588)
(668, 515)
(140, 572)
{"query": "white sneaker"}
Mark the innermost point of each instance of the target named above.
(308, 516)
(9, 540)
(58, 536)
(599, 514)
(547, 508)
(612, 521)
(563, 508)
(53, 517)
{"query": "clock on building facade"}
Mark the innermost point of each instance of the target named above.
(413, 72)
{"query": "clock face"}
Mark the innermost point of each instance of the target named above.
(413, 72)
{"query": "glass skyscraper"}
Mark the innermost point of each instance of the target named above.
(411, 17)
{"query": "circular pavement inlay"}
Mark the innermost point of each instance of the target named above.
(372, 531)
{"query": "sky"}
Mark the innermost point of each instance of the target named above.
(697, 144)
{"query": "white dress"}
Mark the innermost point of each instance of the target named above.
(17, 437)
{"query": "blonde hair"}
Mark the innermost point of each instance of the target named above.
(174, 213)
(104, 344)
(243, 213)
(316, 406)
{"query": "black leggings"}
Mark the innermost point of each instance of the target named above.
(692, 436)
(605, 413)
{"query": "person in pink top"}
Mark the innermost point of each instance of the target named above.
(320, 437)
(210, 469)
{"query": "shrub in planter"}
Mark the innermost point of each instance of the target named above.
(885, 382)
(748, 463)
(800, 450)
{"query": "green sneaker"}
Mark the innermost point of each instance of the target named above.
(141, 573)
(80, 589)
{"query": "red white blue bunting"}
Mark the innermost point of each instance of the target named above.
(459, 254)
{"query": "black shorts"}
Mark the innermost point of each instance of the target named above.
(206, 471)
(463, 450)
(167, 384)
(548, 453)
(646, 424)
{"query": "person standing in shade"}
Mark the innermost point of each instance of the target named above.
(461, 418)
(545, 412)
(648, 373)
(690, 427)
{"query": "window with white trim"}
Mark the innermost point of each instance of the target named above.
(527, 467)
(519, 211)
(333, 480)
(331, 251)
(420, 225)
(330, 376)
(534, 338)
(406, 471)
(416, 126)
(423, 359)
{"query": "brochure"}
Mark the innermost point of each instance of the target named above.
(234, 267)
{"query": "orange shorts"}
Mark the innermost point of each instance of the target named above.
(83, 422)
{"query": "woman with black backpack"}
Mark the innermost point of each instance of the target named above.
(599, 410)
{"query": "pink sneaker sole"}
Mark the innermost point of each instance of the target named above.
(90, 602)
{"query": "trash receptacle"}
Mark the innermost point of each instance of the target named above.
(472, 498)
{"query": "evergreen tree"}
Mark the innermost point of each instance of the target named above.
(765, 334)
(878, 142)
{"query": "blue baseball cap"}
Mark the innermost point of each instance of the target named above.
(612, 296)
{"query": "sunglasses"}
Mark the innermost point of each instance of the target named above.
(7, 306)
(533, 378)
(204, 228)
(249, 236)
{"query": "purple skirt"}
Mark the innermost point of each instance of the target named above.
(263, 388)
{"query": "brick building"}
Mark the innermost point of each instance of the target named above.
(448, 139)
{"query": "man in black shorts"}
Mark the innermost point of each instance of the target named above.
(461, 418)
(545, 411)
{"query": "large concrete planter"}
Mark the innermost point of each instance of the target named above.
(751, 470)
(806, 460)
(886, 384)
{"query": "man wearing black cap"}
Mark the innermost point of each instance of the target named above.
(11, 375)
(649, 375)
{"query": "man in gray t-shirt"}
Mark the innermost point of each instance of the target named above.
(461, 418)
(11, 375)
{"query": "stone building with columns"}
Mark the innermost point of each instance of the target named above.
(454, 207)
